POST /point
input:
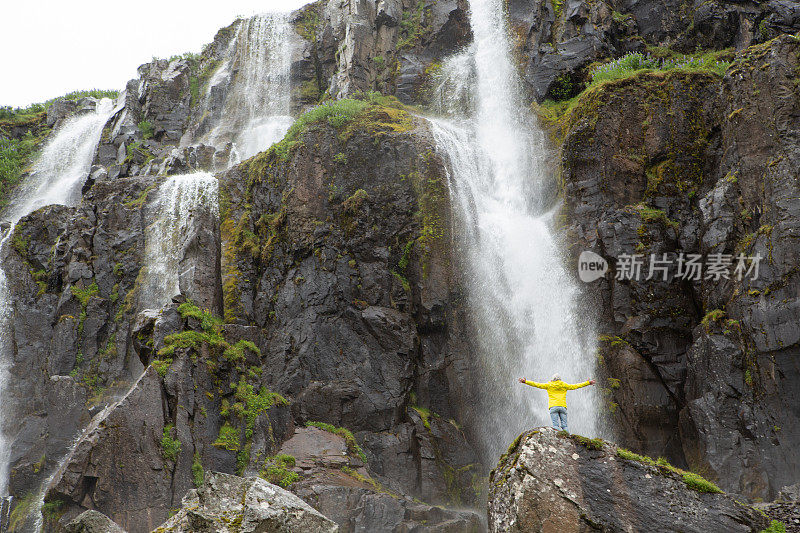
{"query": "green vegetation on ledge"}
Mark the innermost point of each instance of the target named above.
(652, 71)
(9, 116)
(372, 112)
(636, 62)
(775, 526)
(170, 447)
(210, 335)
(692, 480)
(276, 470)
(346, 434)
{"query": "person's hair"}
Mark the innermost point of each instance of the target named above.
(556, 377)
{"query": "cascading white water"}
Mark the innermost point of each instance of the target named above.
(257, 109)
(522, 299)
(63, 165)
(180, 200)
(56, 178)
(454, 94)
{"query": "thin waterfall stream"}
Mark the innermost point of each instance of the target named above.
(522, 299)
(56, 178)
(181, 202)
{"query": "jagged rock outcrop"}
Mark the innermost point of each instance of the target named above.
(553, 481)
(556, 42)
(72, 269)
(77, 290)
(392, 46)
(785, 508)
(702, 371)
(337, 483)
(228, 503)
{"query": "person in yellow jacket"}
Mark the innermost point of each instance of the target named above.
(557, 398)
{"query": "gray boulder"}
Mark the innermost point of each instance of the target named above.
(230, 503)
(93, 522)
(553, 481)
(60, 110)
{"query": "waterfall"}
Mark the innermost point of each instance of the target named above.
(522, 299)
(180, 201)
(57, 177)
(63, 165)
(257, 108)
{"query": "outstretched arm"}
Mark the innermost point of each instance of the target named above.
(533, 383)
(579, 385)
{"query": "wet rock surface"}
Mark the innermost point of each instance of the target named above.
(552, 481)
(345, 309)
(337, 483)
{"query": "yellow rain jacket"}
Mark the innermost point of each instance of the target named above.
(556, 391)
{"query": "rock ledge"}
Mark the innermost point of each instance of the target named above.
(552, 481)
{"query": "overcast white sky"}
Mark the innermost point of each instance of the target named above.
(54, 47)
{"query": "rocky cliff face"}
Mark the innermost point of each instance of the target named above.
(326, 292)
(687, 163)
(337, 294)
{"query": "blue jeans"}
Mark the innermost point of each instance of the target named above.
(559, 417)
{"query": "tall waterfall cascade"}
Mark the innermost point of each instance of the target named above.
(257, 108)
(56, 178)
(522, 299)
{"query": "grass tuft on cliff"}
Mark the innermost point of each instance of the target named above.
(170, 447)
(691, 479)
(775, 526)
(276, 470)
(372, 111)
(635, 62)
(336, 112)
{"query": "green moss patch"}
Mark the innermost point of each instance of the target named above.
(210, 335)
(586, 442)
(198, 474)
(229, 438)
(276, 470)
(170, 447)
(692, 480)
(775, 526)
